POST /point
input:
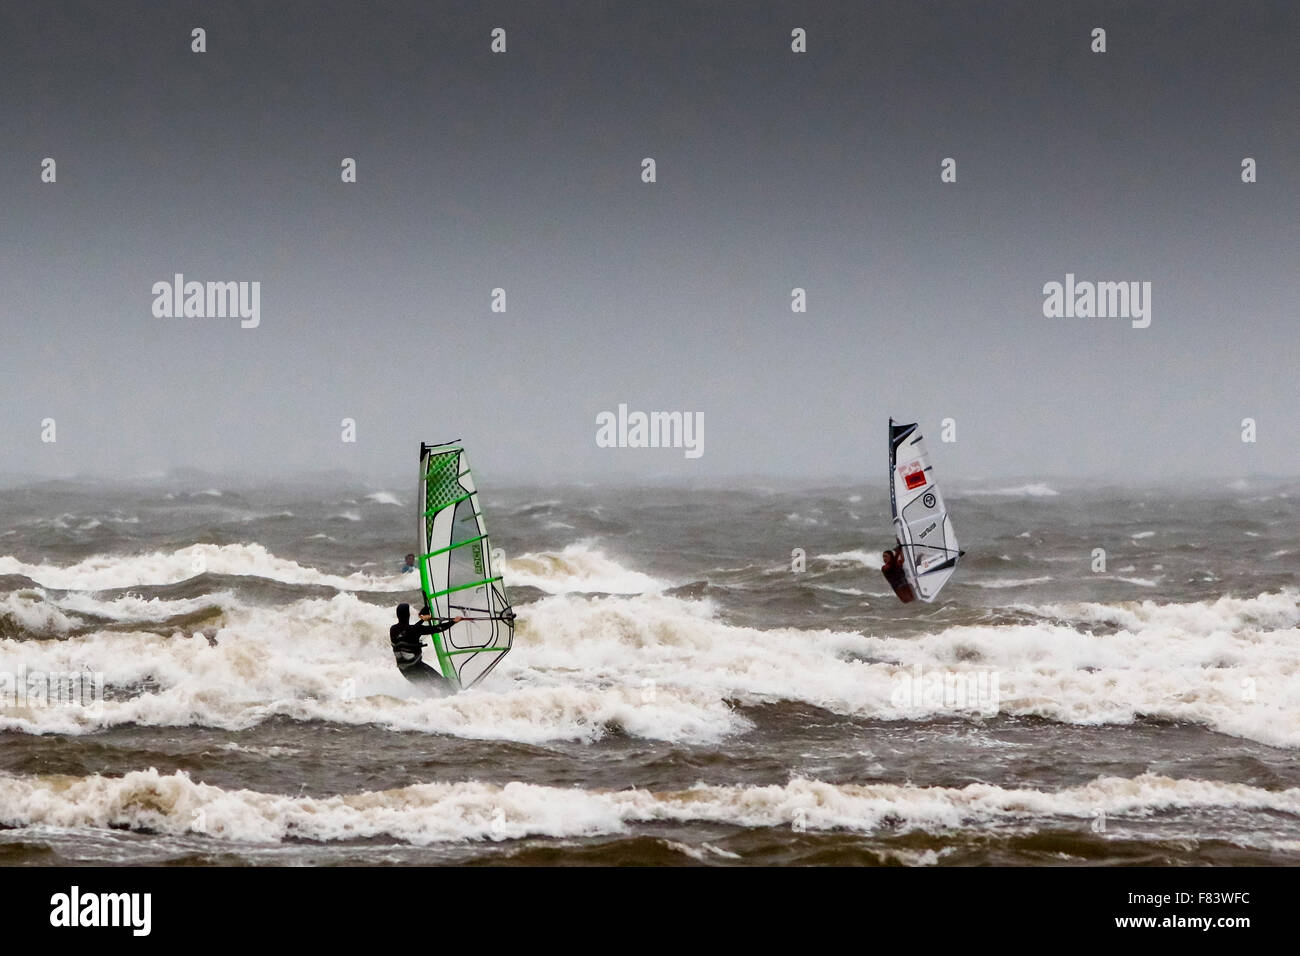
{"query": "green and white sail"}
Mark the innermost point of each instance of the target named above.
(921, 522)
(456, 569)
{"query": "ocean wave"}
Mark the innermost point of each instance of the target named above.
(329, 660)
(855, 556)
(662, 667)
(29, 610)
(1271, 611)
(123, 571)
(533, 507)
(795, 518)
(1000, 583)
(432, 813)
(270, 516)
(578, 567)
(37, 612)
(383, 498)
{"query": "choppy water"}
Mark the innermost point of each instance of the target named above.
(677, 694)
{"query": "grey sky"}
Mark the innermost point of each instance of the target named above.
(775, 170)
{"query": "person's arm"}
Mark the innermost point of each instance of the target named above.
(438, 628)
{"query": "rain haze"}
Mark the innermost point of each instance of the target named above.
(254, 254)
(774, 170)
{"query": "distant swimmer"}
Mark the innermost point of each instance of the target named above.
(892, 569)
(409, 566)
(405, 637)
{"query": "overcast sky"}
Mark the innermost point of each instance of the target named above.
(775, 170)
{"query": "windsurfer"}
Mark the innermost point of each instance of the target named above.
(405, 638)
(892, 569)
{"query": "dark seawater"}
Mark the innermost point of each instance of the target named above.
(678, 693)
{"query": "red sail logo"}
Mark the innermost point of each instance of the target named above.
(913, 475)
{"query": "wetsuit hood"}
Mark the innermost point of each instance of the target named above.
(404, 613)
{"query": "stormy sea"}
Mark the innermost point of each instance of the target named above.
(197, 671)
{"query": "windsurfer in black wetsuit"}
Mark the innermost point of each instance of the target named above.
(892, 569)
(405, 638)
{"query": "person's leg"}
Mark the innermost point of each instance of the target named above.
(422, 673)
